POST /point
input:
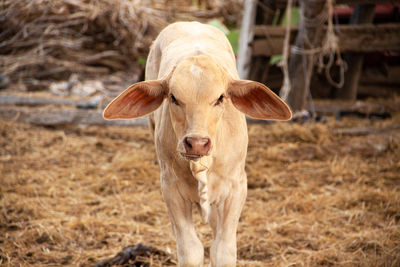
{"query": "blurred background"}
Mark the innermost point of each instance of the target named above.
(324, 189)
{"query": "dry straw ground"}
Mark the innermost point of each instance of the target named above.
(318, 195)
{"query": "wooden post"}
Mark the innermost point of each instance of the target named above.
(246, 37)
(310, 36)
(361, 14)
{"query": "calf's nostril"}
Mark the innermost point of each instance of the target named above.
(203, 141)
(187, 143)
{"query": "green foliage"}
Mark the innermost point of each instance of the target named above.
(141, 61)
(275, 59)
(231, 33)
(219, 25)
(295, 17)
(233, 37)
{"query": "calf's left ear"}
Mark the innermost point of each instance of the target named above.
(137, 100)
(258, 101)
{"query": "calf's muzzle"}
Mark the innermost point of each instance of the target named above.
(196, 147)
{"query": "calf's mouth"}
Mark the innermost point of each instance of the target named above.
(194, 157)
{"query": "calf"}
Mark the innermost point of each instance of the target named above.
(197, 107)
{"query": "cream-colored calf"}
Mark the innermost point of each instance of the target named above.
(200, 132)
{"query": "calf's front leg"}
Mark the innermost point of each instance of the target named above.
(223, 249)
(190, 249)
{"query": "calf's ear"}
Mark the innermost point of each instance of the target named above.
(137, 100)
(258, 101)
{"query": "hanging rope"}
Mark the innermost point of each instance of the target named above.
(329, 48)
(199, 171)
(308, 55)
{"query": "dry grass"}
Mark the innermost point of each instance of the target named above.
(42, 41)
(76, 195)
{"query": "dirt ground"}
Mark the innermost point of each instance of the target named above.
(320, 194)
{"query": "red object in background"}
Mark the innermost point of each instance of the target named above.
(383, 12)
(343, 11)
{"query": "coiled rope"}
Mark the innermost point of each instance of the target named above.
(199, 171)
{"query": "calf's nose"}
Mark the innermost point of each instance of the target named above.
(197, 146)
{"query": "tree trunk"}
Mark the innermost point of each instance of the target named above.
(311, 33)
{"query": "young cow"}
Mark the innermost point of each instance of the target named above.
(200, 132)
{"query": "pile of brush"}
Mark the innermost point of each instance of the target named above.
(48, 40)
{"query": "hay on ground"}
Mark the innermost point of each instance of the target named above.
(74, 196)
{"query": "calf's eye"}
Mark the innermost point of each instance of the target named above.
(173, 100)
(219, 101)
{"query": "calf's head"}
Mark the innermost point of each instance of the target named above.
(197, 92)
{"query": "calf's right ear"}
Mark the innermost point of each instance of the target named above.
(137, 100)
